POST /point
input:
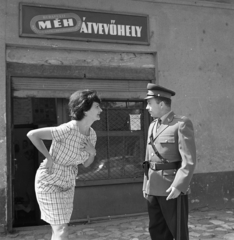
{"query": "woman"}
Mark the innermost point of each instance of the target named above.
(73, 143)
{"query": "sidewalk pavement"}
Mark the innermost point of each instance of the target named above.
(215, 225)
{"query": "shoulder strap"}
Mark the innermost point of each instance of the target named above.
(156, 151)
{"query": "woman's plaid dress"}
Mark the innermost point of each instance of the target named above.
(55, 191)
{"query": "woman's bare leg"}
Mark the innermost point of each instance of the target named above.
(59, 232)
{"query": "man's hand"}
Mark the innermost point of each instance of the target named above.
(174, 193)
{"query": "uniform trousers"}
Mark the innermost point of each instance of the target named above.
(163, 217)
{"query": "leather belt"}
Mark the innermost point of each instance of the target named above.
(160, 166)
(164, 166)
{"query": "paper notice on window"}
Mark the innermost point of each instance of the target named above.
(135, 122)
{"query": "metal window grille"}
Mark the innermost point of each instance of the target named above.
(120, 142)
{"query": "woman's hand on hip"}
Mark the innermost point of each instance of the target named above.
(47, 163)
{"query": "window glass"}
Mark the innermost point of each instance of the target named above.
(120, 142)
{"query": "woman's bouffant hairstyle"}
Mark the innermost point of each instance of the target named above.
(81, 102)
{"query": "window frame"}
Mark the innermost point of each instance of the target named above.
(146, 121)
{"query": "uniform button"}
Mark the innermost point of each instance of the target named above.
(166, 141)
(152, 154)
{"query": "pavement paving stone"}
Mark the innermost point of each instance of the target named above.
(229, 236)
(138, 229)
(194, 234)
(208, 235)
(103, 234)
(226, 226)
(220, 229)
(216, 222)
(212, 224)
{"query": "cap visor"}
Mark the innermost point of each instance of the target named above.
(148, 97)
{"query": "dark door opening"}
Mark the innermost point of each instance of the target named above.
(29, 113)
(26, 210)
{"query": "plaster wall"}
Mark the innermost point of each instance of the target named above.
(195, 58)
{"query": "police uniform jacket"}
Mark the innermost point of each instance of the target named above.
(174, 140)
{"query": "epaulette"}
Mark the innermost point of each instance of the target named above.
(180, 117)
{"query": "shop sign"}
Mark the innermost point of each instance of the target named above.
(76, 24)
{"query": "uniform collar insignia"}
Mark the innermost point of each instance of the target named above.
(170, 117)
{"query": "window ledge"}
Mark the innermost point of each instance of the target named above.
(108, 182)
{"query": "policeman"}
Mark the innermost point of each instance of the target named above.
(169, 165)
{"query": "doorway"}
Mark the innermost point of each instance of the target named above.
(28, 114)
(25, 163)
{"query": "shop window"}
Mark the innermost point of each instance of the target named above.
(120, 142)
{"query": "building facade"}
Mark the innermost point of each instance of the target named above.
(50, 50)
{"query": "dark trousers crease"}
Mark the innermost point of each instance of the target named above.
(163, 218)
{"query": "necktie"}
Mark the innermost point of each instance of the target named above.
(156, 127)
(158, 124)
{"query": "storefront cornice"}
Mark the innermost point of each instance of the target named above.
(89, 49)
